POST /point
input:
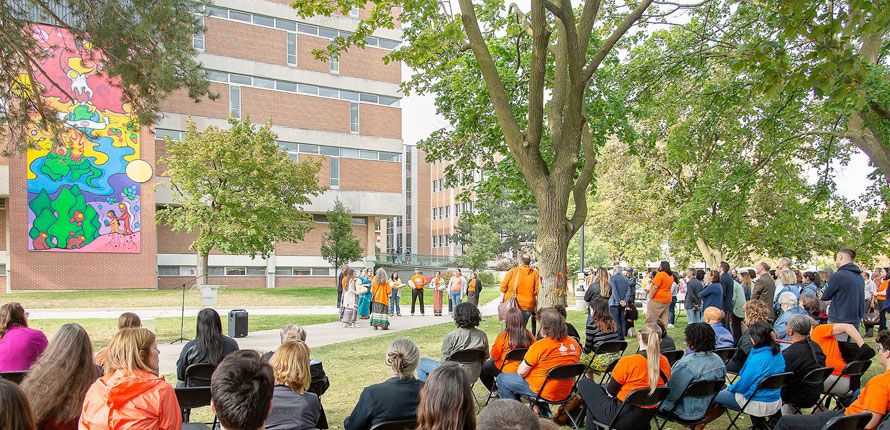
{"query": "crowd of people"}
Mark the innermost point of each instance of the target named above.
(790, 325)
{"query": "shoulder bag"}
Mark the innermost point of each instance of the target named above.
(506, 305)
(871, 317)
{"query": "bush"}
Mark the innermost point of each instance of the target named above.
(488, 279)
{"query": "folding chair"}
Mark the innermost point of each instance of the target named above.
(674, 355)
(607, 347)
(567, 372)
(14, 376)
(607, 375)
(395, 425)
(469, 356)
(193, 397)
(198, 375)
(517, 354)
(704, 389)
(848, 422)
(853, 369)
(725, 354)
(639, 398)
(769, 383)
(815, 376)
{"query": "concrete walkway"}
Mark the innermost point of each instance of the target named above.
(166, 312)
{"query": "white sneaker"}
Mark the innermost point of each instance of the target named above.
(670, 326)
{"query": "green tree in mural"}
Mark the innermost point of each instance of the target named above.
(66, 222)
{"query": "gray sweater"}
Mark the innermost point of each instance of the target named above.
(465, 338)
(293, 411)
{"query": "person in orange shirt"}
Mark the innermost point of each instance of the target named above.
(473, 288)
(826, 336)
(881, 296)
(437, 284)
(874, 398)
(523, 282)
(660, 295)
(416, 283)
(646, 369)
(556, 348)
(514, 336)
(380, 292)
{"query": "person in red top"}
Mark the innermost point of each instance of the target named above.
(660, 295)
(556, 348)
(523, 282)
(874, 398)
(514, 336)
(826, 336)
(647, 369)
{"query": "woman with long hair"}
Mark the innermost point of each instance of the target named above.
(514, 336)
(364, 300)
(126, 320)
(351, 293)
(15, 413)
(396, 285)
(645, 370)
(660, 294)
(446, 401)
(19, 345)
(712, 295)
(131, 395)
(60, 378)
(457, 289)
(380, 292)
(802, 357)
(402, 357)
(293, 406)
(598, 288)
(747, 282)
(601, 328)
(755, 311)
(209, 345)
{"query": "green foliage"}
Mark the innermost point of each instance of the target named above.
(339, 245)
(513, 222)
(479, 247)
(596, 253)
(67, 221)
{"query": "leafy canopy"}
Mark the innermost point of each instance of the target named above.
(339, 245)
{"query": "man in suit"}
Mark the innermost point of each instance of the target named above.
(619, 298)
(764, 287)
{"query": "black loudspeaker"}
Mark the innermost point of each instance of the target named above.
(238, 323)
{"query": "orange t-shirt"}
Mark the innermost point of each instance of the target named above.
(526, 287)
(882, 290)
(381, 292)
(632, 373)
(546, 354)
(472, 285)
(418, 281)
(499, 350)
(833, 358)
(663, 282)
(875, 397)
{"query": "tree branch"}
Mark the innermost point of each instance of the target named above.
(588, 19)
(579, 190)
(537, 69)
(614, 38)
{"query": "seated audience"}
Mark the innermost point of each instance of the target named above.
(874, 398)
(19, 345)
(15, 413)
(714, 318)
(466, 336)
(826, 336)
(648, 369)
(788, 304)
(446, 400)
(555, 349)
(712, 295)
(801, 357)
(763, 360)
(319, 382)
(131, 394)
(208, 346)
(126, 320)
(293, 406)
(600, 329)
(755, 311)
(503, 414)
(701, 365)
(241, 391)
(569, 327)
(514, 336)
(375, 404)
(60, 378)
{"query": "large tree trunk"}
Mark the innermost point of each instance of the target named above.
(551, 246)
(712, 256)
(202, 268)
(866, 139)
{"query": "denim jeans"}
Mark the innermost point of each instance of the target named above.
(727, 399)
(425, 367)
(672, 310)
(693, 315)
(394, 303)
(453, 299)
(617, 313)
(511, 386)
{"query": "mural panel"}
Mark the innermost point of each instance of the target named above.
(83, 195)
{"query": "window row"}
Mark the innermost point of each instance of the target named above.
(304, 271)
(463, 207)
(441, 241)
(323, 219)
(442, 212)
(439, 185)
(293, 87)
(245, 271)
(299, 27)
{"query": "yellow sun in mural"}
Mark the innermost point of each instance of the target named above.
(139, 171)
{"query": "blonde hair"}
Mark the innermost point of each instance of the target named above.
(787, 277)
(756, 311)
(602, 276)
(128, 320)
(650, 334)
(290, 365)
(128, 350)
(403, 356)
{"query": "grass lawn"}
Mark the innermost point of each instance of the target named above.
(167, 329)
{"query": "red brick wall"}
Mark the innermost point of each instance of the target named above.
(364, 63)
(247, 41)
(369, 175)
(382, 121)
(311, 243)
(179, 102)
(295, 110)
(3, 227)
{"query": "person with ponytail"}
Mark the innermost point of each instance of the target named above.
(394, 399)
(208, 346)
(801, 357)
(646, 369)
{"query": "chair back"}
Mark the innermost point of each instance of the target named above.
(517, 354)
(192, 397)
(854, 368)
(14, 376)
(467, 356)
(725, 353)
(848, 422)
(642, 399)
(818, 376)
(611, 347)
(395, 425)
(773, 382)
(566, 372)
(198, 375)
(674, 355)
(704, 388)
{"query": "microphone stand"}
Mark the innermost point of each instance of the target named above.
(182, 309)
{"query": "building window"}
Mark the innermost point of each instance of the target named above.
(291, 48)
(353, 117)
(236, 271)
(335, 65)
(168, 270)
(198, 38)
(301, 271)
(235, 100)
(335, 172)
(353, 12)
(435, 241)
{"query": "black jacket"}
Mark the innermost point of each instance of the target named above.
(394, 399)
(727, 283)
(801, 358)
(846, 291)
(693, 289)
(192, 354)
(318, 384)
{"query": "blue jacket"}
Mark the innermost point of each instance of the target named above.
(700, 366)
(846, 291)
(712, 295)
(620, 290)
(760, 363)
(782, 321)
(810, 288)
(724, 337)
(793, 289)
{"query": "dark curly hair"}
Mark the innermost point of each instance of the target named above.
(466, 315)
(700, 337)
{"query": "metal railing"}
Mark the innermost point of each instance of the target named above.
(440, 261)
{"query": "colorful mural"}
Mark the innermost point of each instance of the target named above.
(84, 195)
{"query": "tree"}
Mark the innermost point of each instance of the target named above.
(513, 222)
(480, 247)
(596, 253)
(145, 45)
(339, 246)
(237, 190)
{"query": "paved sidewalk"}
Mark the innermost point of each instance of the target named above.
(37, 314)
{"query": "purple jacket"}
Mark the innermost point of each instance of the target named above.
(20, 347)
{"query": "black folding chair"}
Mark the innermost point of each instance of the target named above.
(769, 383)
(607, 375)
(639, 398)
(725, 354)
(853, 369)
(815, 376)
(193, 397)
(673, 355)
(14, 376)
(517, 354)
(848, 422)
(198, 375)
(607, 347)
(395, 425)
(567, 372)
(469, 356)
(703, 389)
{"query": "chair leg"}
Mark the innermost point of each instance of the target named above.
(732, 420)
